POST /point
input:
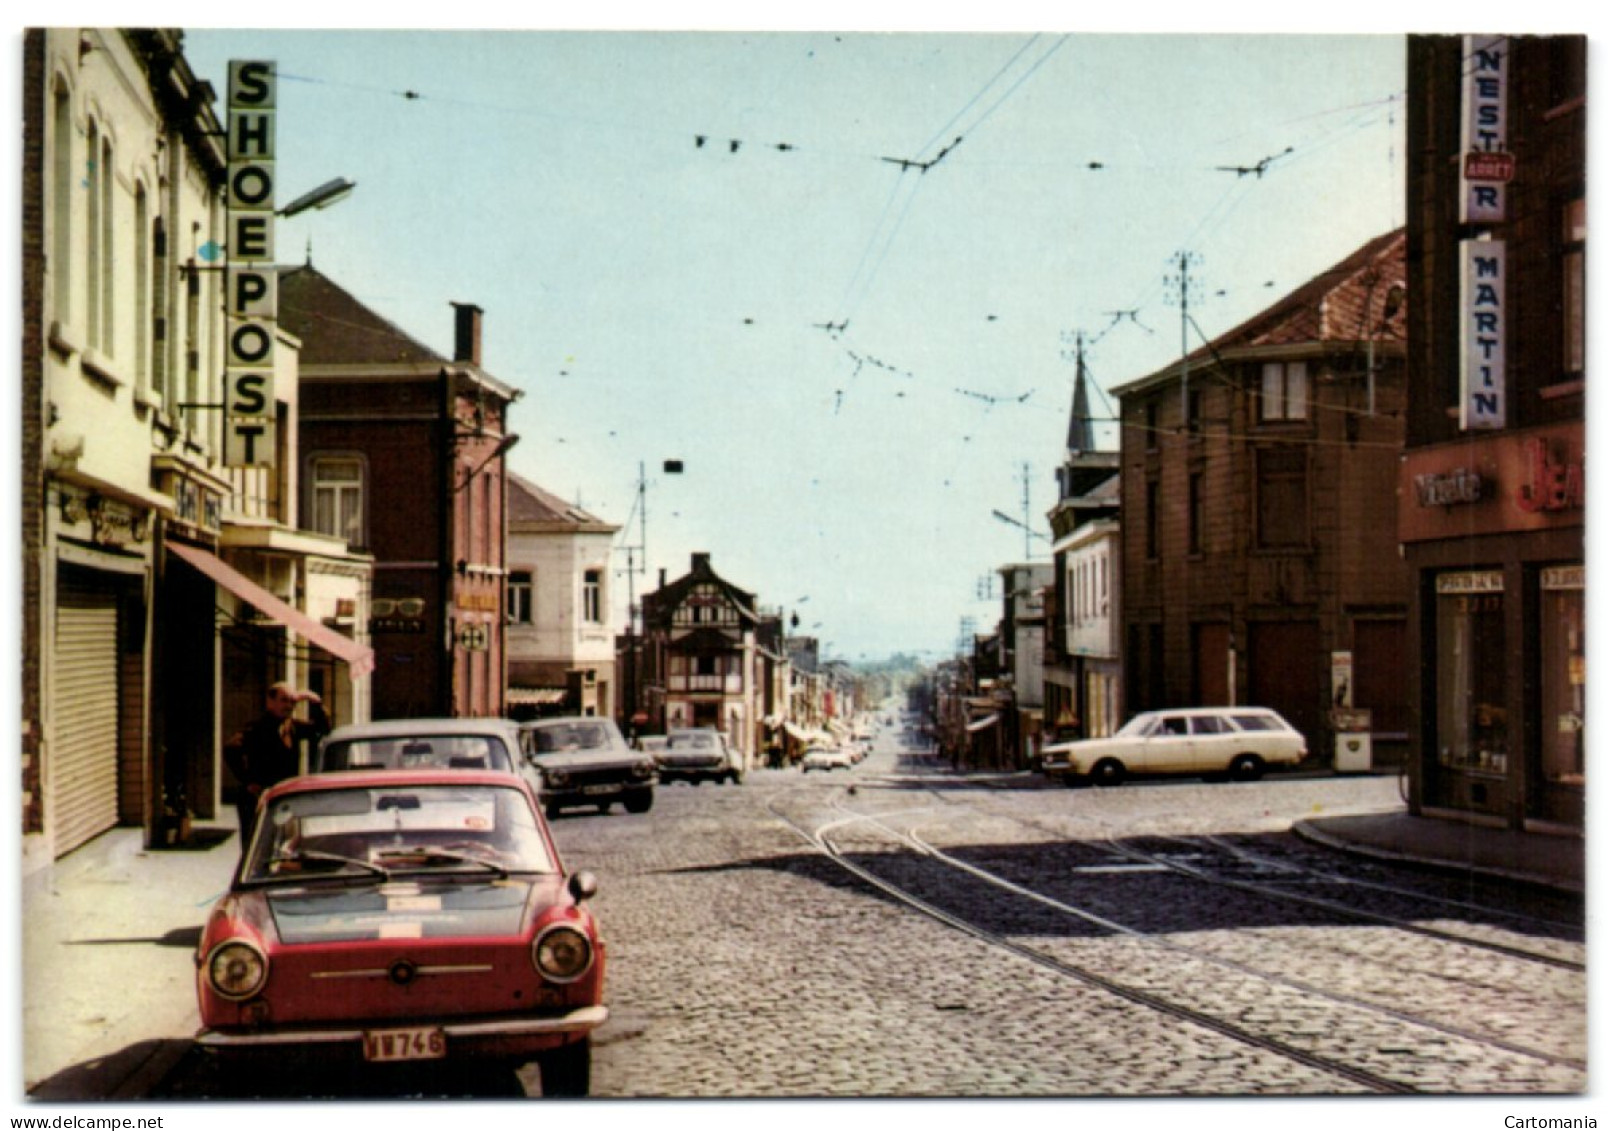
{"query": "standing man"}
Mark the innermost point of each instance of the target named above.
(269, 750)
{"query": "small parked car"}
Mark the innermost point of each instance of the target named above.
(697, 754)
(585, 760)
(1239, 742)
(389, 916)
(825, 758)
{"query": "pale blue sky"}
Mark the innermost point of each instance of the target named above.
(656, 298)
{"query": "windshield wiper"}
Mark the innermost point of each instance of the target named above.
(307, 855)
(423, 854)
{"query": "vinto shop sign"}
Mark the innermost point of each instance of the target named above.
(1494, 484)
(252, 299)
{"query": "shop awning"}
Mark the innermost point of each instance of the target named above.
(982, 724)
(359, 657)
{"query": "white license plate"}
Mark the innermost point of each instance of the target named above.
(404, 1044)
(600, 789)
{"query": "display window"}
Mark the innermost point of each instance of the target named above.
(1472, 675)
(1563, 675)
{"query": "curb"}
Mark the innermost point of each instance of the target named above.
(1307, 831)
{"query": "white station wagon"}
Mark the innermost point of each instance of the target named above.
(1240, 742)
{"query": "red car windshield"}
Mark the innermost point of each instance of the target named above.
(384, 830)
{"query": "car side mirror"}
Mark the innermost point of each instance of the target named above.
(582, 886)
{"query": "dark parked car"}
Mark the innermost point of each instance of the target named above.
(585, 760)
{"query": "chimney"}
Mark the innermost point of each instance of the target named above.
(700, 562)
(661, 577)
(466, 345)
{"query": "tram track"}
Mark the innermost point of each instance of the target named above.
(1267, 891)
(825, 839)
(1370, 1081)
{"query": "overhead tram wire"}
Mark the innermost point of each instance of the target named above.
(852, 298)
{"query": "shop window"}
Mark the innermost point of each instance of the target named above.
(1472, 672)
(1563, 675)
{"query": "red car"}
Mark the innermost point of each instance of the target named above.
(406, 915)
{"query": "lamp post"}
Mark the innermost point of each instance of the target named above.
(330, 192)
(635, 639)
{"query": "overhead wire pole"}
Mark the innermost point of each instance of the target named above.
(1183, 330)
(1027, 512)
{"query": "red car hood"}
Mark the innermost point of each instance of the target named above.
(402, 909)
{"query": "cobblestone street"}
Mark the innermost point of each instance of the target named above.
(746, 963)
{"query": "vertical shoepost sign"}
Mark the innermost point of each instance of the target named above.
(252, 300)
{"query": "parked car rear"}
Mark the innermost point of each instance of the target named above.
(420, 744)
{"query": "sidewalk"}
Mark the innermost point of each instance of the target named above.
(108, 943)
(1449, 845)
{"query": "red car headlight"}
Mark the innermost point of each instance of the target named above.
(562, 954)
(236, 969)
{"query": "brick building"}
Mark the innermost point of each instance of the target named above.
(1492, 486)
(402, 455)
(1256, 568)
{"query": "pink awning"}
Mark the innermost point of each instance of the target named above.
(358, 656)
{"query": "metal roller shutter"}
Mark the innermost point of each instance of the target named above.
(83, 775)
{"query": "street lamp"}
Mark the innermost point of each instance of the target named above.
(502, 447)
(330, 192)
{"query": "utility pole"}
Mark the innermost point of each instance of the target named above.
(1027, 513)
(1182, 281)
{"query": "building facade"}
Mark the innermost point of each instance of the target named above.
(700, 659)
(1255, 568)
(1082, 653)
(1021, 633)
(560, 647)
(1492, 486)
(162, 587)
(402, 455)
(1090, 630)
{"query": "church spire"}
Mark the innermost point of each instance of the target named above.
(1080, 429)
